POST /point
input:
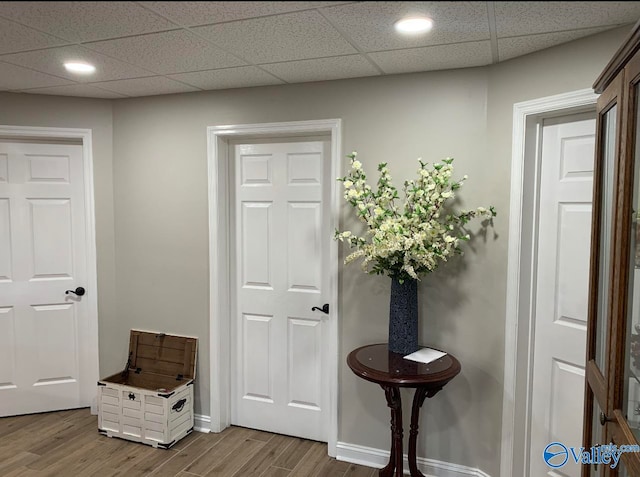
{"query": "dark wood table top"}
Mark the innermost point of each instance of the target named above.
(377, 364)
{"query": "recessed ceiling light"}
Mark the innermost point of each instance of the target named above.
(414, 25)
(81, 68)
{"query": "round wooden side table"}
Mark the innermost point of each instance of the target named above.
(391, 371)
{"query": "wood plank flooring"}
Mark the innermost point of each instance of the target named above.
(67, 443)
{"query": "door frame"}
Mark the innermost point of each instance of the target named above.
(218, 139)
(521, 270)
(90, 367)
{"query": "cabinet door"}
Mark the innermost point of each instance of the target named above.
(602, 278)
(624, 392)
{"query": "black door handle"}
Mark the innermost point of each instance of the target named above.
(324, 309)
(78, 291)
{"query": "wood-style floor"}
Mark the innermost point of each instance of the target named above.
(67, 444)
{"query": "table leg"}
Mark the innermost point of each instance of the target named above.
(418, 399)
(394, 467)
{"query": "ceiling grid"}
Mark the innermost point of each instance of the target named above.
(155, 47)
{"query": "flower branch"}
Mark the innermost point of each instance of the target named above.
(411, 240)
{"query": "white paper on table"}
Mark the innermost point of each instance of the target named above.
(425, 355)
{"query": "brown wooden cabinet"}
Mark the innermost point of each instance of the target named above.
(612, 392)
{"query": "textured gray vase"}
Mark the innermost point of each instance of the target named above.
(403, 317)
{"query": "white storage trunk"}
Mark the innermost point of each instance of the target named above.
(151, 401)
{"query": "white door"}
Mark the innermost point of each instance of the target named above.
(566, 181)
(279, 369)
(45, 363)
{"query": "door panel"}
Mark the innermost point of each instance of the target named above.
(305, 363)
(566, 181)
(5, 242)
(42, 254)
(257, 254)
(56, 354)
(280, 263)
(257, 357)
(8, 369)
(50, 233)
(304, 247)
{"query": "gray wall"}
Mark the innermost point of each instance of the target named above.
(160, 176)
(161, 222)
(160, 172)
(94, 114)
(553, 71)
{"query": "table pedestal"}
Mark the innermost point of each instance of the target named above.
(391, 371)
(395, 466)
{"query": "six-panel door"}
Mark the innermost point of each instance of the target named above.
(566, 183)
(43, 331)
(279, 374)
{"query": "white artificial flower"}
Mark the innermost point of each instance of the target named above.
(410, 239)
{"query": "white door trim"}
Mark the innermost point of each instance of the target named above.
(91, 368)
(218, 138)
(520, 309)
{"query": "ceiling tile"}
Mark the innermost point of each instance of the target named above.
(521, 45)
(15, 37)
(228, 78)
(321, 69)
(525, 18)
(51, 61)
(85, 21)
(371, 24)
(293, 36)
(15, 77)
(83, 90)
(146, 86)
(168, 52)
(202, 13)
(460, 55)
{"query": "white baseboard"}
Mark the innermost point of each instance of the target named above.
(202, 423)
(372, 457)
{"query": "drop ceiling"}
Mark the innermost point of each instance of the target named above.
(150, 48)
